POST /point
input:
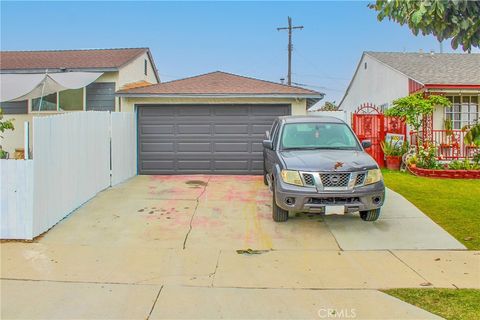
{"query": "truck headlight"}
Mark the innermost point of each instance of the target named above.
(373, 176)
(291, 177)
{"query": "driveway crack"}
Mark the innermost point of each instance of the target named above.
(214, 273)
(154, 303)
(197, 200)
(415, 271)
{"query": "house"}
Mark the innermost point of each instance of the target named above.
(109, 70)
(211, 123)
(382, 77)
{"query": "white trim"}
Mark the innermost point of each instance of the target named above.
(209, 96)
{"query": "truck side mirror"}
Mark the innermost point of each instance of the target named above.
(268, 144)
(267, 134)
(366, 144)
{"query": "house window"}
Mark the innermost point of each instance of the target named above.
(47, 103)
(145, 66)
(464, 111)
(70, 100)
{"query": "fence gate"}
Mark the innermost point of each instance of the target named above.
(369, 123)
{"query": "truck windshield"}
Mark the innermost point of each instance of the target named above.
(317, 135)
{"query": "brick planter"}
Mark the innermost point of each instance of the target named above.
(447, 174)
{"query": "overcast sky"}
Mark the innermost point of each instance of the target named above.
(190, 38)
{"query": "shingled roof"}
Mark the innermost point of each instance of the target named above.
(219, 83)
(69, 59)
(434, 68)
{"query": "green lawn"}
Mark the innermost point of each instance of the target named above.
(452, 203)
(447, 303)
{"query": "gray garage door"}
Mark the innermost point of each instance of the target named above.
(221, 139)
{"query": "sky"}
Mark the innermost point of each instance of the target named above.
(191, 38)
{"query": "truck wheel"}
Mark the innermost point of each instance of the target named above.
(278, 214)
(370, 215)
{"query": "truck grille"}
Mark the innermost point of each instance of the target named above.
(308, 178)
(334, 180)
(360, 179)
(334, 201)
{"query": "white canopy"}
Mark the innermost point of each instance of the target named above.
(17, 87)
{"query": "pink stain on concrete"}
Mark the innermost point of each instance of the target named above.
(179, 178)
(205, 222)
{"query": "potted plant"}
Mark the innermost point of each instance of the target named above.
(393, 153)
(4, 125)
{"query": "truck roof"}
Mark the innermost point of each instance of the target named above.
(310, 119)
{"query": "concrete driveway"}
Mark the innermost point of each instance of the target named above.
(168, 245)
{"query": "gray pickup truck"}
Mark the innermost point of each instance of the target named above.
(312, 163)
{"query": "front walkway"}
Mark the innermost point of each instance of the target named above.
(167, 246)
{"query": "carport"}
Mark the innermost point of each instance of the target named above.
(212, 123)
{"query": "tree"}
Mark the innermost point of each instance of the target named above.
(473, 134)
(4, 125)
(415, 107)
(329, 106)
(445, 19)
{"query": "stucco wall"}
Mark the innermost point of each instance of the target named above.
(377, 84)
(134, 71)
(299, 106)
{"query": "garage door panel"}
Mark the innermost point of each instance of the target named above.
(235, 110)
(260, 128)
(194, 128)
(157, 147)
(242, 165)
(231, 147)
(231, 128)
(193, 111)
(188, 139)
(193, 165)
(156, 112)
(157, 129)
(158, 165)
(257, 147)
(194, 147)
(257, 165)
(268, 111)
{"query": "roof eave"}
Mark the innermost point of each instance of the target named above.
(56, 70)
(451, 86)
(222, 95)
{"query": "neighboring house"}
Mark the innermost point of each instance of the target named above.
(117, 69)
(382, 77)
(211, 123)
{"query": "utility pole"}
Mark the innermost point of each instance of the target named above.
(290, 28)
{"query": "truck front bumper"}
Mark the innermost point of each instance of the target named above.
(304, 199)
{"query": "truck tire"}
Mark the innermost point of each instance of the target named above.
(370, 215)
(278, 214)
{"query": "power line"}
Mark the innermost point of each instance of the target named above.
(320, 76)
(290, 28)
(319, 87)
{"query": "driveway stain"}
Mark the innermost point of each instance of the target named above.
(196, 183)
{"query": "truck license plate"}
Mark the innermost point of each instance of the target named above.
(334, 210)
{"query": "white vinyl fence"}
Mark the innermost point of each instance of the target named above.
(16, 200)
(72, 158)
(124, 146)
